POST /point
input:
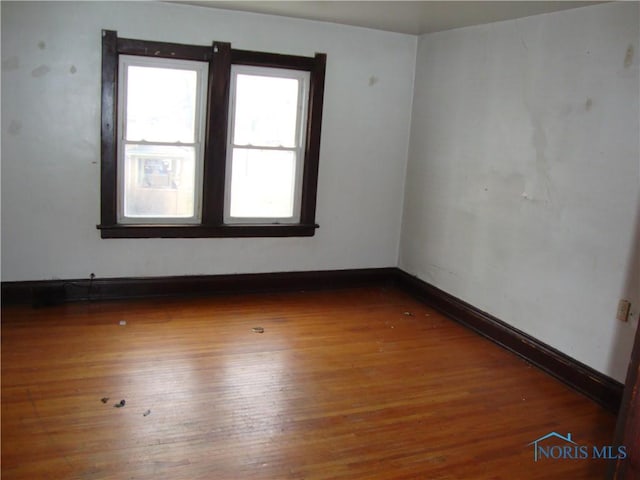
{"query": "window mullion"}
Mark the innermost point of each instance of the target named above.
(216, 134)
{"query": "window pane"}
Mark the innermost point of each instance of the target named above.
(159, 181)
(262, 183)
(161, 104)
(266, 111)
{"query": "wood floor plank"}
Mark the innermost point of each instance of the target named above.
(347, 384)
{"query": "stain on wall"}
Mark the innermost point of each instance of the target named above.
(14, 127)
(542, 165)
(11, 63)
(628, 57)
(588, 104)
(40, 71)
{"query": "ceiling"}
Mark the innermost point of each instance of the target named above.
(413, 17)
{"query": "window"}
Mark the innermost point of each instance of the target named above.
(208, 141)
(161, 105)
(265, 149)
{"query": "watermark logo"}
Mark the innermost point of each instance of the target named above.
(565, 448)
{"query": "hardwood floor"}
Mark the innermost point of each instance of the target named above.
(347, 384)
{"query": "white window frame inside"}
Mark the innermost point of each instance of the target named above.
(299, 148)
(201, 69)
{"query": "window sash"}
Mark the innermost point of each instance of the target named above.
(201, 69)
(303, 77)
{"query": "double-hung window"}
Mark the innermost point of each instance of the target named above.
(161, 125)
(266, 140)
(208, 141)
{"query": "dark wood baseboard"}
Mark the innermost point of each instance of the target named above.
(595, 385)
(50, 292)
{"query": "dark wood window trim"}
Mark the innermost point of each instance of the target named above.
(220, 57)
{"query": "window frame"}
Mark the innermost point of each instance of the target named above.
(220, 56)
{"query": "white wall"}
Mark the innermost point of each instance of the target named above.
(523, 177)
(51, 142)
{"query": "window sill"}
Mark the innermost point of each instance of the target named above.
(200, 231)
